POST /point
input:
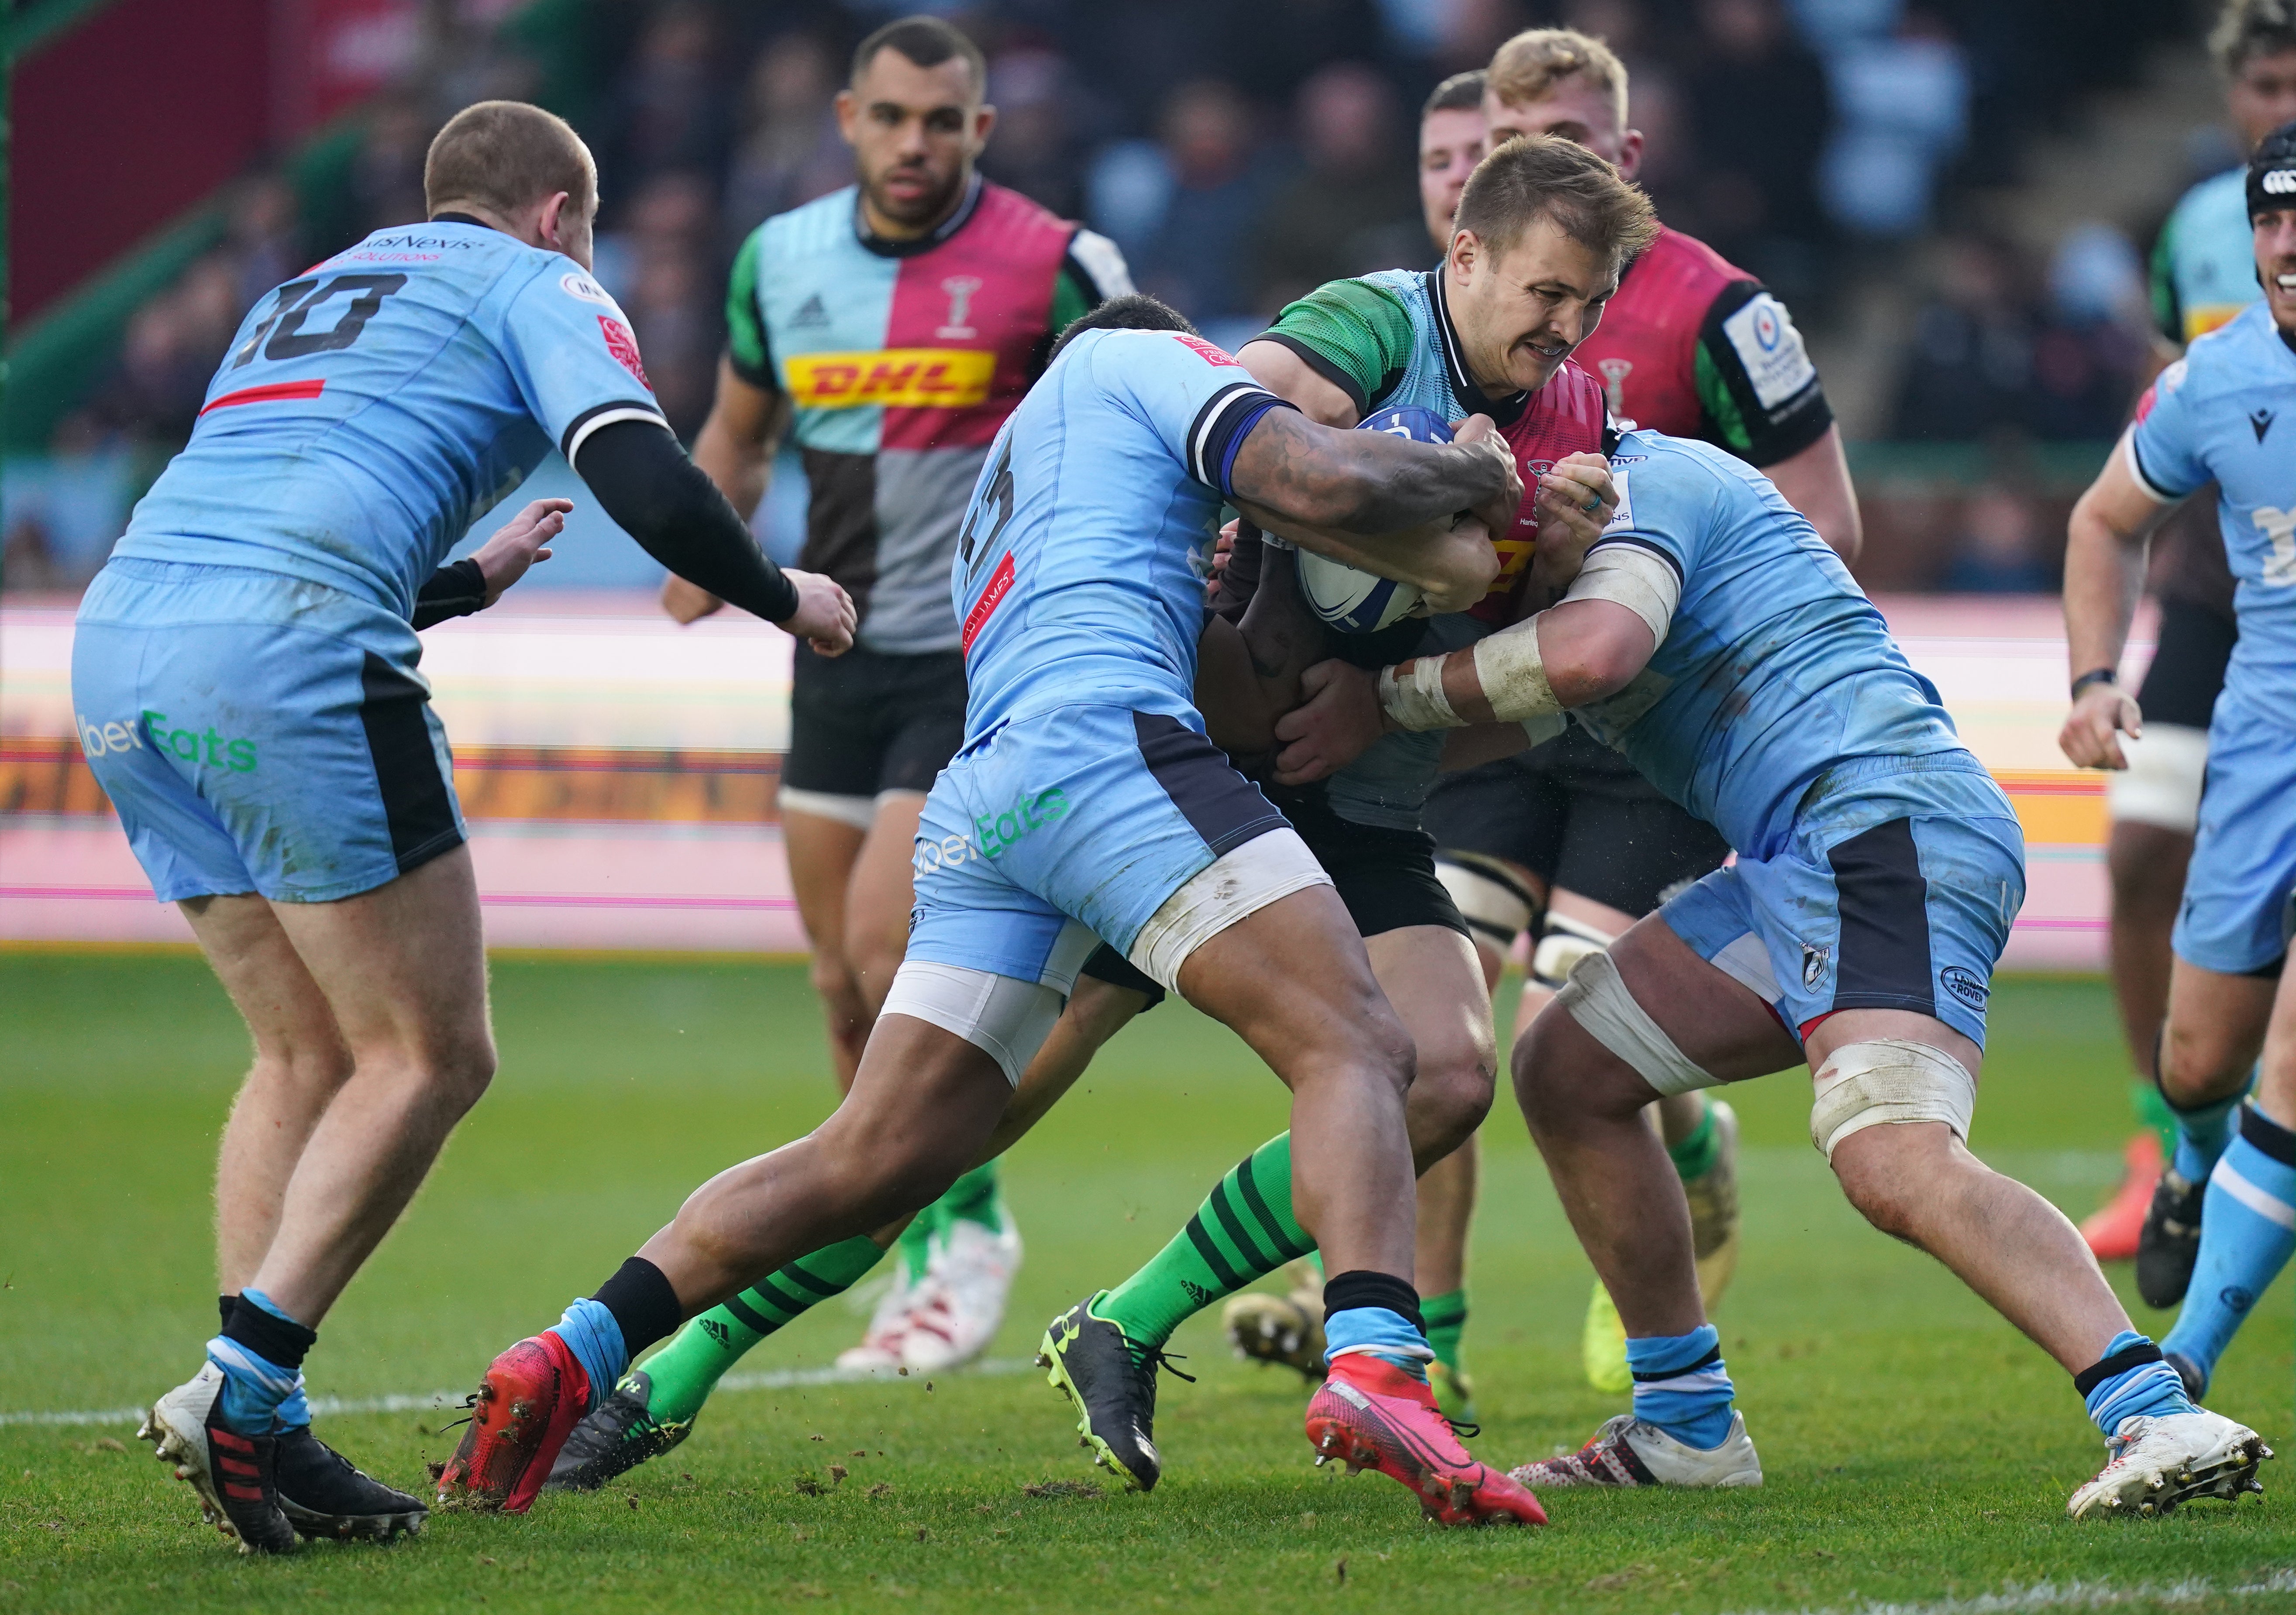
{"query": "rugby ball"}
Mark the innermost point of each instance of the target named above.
(1356, 602)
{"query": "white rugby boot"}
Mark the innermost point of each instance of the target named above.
(960, 1304)
(1628, 1451)
(880, 1350)
(2158, 1463)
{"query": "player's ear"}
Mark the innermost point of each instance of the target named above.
(849, 113)
(1464, 250)
(551, 225)
(984, 119)
(1630, 154)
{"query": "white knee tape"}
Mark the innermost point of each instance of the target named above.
(1562, 944)
(1493, 905)
(1004, 1017)
(1862, 1085)
(1598, 999)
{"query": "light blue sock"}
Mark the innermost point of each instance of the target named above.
(2150, 1388)
(1383, 1334)
(2248, 1229)
(2203, 1134)
(295, 1412)
(257, 1392)
(1681, 1386)
(595, 1339)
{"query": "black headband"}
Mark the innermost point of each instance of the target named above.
(2272, 188)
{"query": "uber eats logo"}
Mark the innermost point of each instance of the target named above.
(993, 832)
(203, 747)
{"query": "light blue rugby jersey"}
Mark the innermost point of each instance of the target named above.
(1776, 667)
(1078, 578)
(374, 406)
(2226, 413)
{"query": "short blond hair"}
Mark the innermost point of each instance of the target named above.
(506, 156)
(2248, 28)
(1529, 66)
(1545, 177)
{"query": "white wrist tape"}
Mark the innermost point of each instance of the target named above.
(1889, 1079)
(1513, 678)
(1415, 699)
(1641, 580)
(1272, 541)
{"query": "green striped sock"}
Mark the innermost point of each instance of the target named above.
(1701, 1148)
(1446, 1316)
(1243, 1231)
(687, 1370)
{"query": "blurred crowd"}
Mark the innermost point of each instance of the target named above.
(1241, 154)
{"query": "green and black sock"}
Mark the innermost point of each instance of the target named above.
(687, 1370)
(977, 1197)
(1245, 1230)
(2152, 1113)
(1446, 1317)
(1695, 1157)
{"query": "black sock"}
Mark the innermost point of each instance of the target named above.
(224, 1303)
(644, 1306)
(1365, 1288)
(2267, 1135)
(270, 1337)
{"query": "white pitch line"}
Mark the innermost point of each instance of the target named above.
(2061, 1595)
(780, 1379)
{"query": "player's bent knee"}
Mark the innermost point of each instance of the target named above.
(1005, 1018)
(1450, 1097)
(1888, 1080)
(1598, 1001)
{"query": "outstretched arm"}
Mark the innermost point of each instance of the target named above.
(645, 482)
(735, 448)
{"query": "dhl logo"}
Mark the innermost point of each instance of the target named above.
(903, 377)
(1514, 554)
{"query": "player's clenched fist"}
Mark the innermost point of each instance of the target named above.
(1574, 502)
(1480, 434)
(2101, 715)
(825, 615)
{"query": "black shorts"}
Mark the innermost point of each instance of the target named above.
(867, 722)
(1578, 815)
(1386, 877)
(2188, 665)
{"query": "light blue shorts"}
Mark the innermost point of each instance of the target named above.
(2236, 912)
(1085, 817)
(1895, 890)
(258, 732)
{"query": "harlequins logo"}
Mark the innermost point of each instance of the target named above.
(2261, 420)
(809, 313)
(1615, 373)
(961, 289)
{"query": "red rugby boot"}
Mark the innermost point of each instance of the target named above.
(1371, 1414)
(2112, 1229)
(529, 1403)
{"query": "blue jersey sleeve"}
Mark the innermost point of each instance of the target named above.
(1198, 400)
(1655, 513)
(2165, 444)
(576, 362)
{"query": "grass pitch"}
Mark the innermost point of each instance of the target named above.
(1918, 1453)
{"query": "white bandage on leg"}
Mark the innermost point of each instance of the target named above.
(1416, 700)
(2161, 784)
(1241, 881)
(1563, 942)
(1598, 999)
(1490, 900)
(1862, 1085)
(858, 811)
(1004, 1017)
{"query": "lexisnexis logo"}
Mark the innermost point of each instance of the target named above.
(901, 378)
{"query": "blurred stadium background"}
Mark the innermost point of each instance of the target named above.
(1955, 197)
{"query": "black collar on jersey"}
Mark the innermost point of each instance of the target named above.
(459, 218)
(884, 247)
(1504, 411)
